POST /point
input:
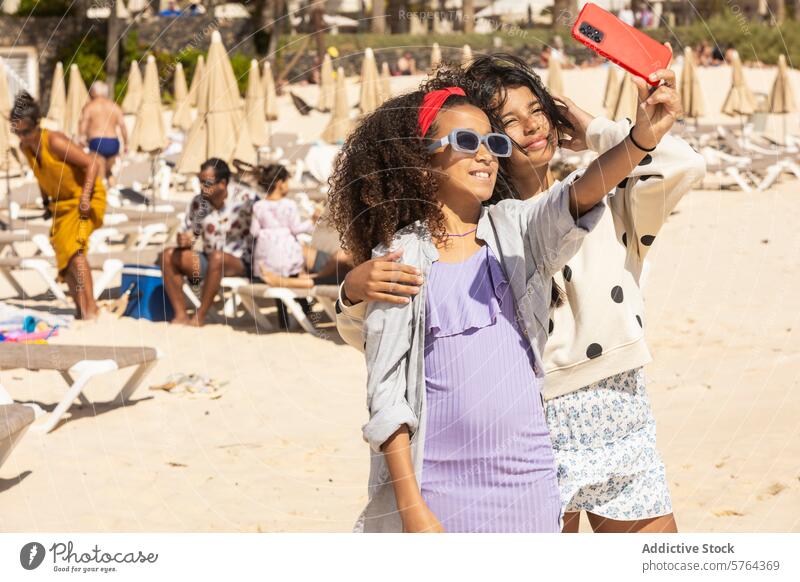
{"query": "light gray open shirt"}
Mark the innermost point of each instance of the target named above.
(533, 239)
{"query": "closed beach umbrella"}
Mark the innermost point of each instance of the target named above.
(691, 96)
(133, 90)
(326, 84)
(77, 96)
(555, 81)
(781, 98)
(149, 134)
(339, 125)
(466, 54)
(386, 82)
(199, 71)
(611, 95)
(182, 117)
(628, 100)
(369, 97)
(58, 98)
(7, 142)
(270, 95)
(255, 118)
(740, 99)
(214, 133)
(436, 56)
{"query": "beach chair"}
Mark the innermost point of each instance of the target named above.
(721, 164)
(137, 175)
(15, 419)
(766, 164)
(249, 293)
(78, 365)
(109, 265)
(27, 195)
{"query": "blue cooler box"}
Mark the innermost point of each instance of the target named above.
(148, 299)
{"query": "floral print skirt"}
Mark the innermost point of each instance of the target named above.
(604, 440)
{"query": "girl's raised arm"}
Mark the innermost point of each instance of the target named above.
(656, 114)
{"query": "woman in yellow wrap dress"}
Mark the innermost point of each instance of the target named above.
(72, 192)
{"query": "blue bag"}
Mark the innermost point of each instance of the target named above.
(148, 299)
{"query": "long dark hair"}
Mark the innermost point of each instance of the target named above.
(486, 79)
(270, 175)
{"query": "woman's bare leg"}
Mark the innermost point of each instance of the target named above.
(661, 524)
(79, 270)
(572, 522)
(309, 257)
(72, 284)
(338, 264)
(302, 281)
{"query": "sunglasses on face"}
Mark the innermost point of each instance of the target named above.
(209, 183)
(469, 141)
(19, 132)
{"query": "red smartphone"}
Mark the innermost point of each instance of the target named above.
(620, 43)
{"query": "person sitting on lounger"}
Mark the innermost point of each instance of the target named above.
(220, 216)
(279, 258)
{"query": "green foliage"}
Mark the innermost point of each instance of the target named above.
(89, 54)
(241, 69)
(166, 62)
(753, 40)
(45, 7)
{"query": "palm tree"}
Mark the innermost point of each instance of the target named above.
(564, 12)
(378, 16)
(113, 41)
(468, 13)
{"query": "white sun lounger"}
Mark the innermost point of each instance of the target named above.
(248, 294)
(78, 365)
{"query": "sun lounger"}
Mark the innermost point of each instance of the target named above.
(248, 294)
(27, 195)
(78, 365)
(767, 164)
(109, 264)
(15, 419)
(137, 175)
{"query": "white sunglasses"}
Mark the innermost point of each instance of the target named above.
(469, 141)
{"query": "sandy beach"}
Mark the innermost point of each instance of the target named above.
(281, 449)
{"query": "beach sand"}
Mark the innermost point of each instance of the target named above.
(281, 449)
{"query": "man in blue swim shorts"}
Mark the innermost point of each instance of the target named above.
(101, 127)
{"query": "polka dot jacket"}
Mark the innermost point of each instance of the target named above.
(599, 330)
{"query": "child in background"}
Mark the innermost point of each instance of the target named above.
(279, 257)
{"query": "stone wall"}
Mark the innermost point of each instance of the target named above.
(176, 34)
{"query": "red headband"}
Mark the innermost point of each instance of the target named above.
(432, 103)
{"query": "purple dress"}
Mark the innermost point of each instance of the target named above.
(488, 463)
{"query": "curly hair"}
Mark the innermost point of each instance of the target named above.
(25, 107)
(486, 79)
(383, 180)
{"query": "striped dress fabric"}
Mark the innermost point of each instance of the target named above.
(488, 464)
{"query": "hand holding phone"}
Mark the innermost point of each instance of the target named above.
(620, 43)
